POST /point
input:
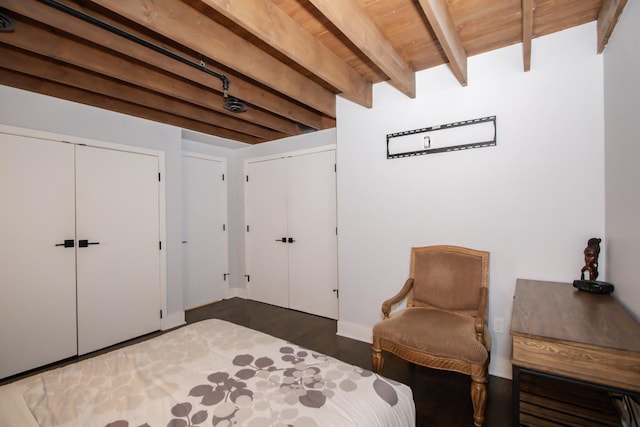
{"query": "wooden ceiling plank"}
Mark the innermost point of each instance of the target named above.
(270, 24)
(242, 89)
(440, 19)
(185, 25)
(354, 22)
(37, 40)
(25, 63)
(607, 20)
(527, 32)
(45, 87)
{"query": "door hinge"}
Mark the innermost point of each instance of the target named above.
(335, 167)
(248, 277)
(247, 177)
(224, 227)
(247, 228)
(336, 231)
(161, 314)
(337, 291)
(224, 276)
(159, 178)
(160, 245)
(223, 177)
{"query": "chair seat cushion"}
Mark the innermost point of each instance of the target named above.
(436, 332)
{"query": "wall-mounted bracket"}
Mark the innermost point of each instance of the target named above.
(455, 136)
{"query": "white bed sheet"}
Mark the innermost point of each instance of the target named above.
(210, 373)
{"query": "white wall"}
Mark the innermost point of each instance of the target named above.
(622, 154)
(532, 201)
(33, 111)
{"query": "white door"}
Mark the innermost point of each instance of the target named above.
(118, 272)
(204, 230)
(37, 277)
(266, 219)
(313, 258)
(293, 198)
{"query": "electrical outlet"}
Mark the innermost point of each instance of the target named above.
(498, 325)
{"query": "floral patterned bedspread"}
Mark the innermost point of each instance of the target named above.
(211, 373)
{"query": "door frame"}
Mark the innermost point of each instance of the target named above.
(160, 155)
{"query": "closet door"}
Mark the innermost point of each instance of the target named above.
(313, 258)
(204, 230)
(37, 277)
(266, 219)
(118, 272)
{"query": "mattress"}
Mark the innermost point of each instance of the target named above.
(208, 373)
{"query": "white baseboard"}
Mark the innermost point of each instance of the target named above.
(354, 331)
(499, 366)
(172, 320)
(237, 292)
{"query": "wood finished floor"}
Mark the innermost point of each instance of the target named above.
(442, 398)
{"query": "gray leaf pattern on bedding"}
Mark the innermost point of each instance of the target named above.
(214, 373)
(305, 378)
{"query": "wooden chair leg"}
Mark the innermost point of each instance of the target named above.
(479, 396)
(376, 356)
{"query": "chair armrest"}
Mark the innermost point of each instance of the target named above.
(386, 306)
(481, 318)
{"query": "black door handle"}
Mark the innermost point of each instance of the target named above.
(69, 243)
(283, 240)
(85, 243)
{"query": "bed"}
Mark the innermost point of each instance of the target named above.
(209, 373)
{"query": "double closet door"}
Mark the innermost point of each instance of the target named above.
(80, 262)
(291, 234)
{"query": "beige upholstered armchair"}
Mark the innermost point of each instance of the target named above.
(444, 324)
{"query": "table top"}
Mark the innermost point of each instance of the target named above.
(559, 312)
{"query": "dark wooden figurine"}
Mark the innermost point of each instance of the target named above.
(591, 253)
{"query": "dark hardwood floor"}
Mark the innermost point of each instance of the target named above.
(441, 398)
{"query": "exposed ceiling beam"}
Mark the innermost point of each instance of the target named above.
(273, 26)
(187, 26)
(37, 40)
(607, 20)
(440, 19)
(248, 92)
(354, 22)
(46, 87)
(527, 32)
(25, 63)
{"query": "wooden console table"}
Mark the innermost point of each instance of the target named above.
(560, 332)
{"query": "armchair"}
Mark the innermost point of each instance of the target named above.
(444, 323)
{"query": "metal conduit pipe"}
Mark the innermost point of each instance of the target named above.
(132, 37)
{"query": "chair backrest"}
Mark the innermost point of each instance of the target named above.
(448, 277)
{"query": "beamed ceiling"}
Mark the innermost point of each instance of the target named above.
(285, 59)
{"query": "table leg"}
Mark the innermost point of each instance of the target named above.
(515, 395)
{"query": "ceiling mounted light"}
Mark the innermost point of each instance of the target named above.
(234, 105)
(6, 24)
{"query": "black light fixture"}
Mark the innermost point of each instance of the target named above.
(6, 23)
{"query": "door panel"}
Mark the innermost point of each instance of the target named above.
(37, 292)
(118, 279)
(204, 213)
(266, 215)
(313, 270)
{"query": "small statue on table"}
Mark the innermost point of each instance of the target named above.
(591, 253)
